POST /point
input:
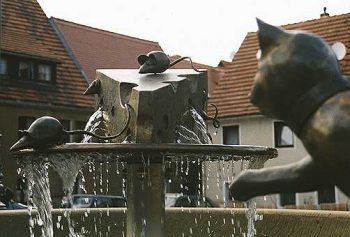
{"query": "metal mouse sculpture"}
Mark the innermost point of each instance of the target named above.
(47, 131)
(158, 62)
(299, 81)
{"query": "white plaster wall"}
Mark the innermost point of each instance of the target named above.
(255, 130)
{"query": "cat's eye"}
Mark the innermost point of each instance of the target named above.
(339, 49)
(258, 54)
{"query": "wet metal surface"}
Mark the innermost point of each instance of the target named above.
(130, 153)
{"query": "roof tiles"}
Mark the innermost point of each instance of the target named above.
(26, 31)
(100, 49)
(231, 93)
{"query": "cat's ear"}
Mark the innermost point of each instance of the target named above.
(269, 35)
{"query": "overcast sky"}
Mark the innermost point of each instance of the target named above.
(208, 31)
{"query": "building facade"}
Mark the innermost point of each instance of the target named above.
(37, 78)
(243, 124)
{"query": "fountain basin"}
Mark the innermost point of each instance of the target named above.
(145, 172)
(218, 221)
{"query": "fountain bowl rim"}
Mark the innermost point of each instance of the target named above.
(158, 148)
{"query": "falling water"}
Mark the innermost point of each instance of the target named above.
(251, 214)
(192, 129)
(39, 196)
(97, 124)
(68, 170)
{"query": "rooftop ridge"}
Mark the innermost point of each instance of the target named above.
(307, 21)
(231, 94)
(106, 32)
(27, 32)
(317, 19)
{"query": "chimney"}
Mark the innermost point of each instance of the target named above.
(324, 14)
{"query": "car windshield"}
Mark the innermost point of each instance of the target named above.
(170, 199)
(193, 201)
(98, 201)
(82, 201)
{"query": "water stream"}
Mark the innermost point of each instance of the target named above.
(251, 214)
(68, 170)
(190, 130)
(39, 196)
(97, 124)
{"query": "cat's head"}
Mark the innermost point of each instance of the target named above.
(291, 63)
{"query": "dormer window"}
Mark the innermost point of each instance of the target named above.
(44, 72)
(25, 68)
(26, 71)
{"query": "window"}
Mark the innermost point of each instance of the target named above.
(24, 123)
(26, 71)
(78, 125)
(287, 199)
(3, 66)
(44, 72)
(231, 135)
(326, 195)
(283, 135)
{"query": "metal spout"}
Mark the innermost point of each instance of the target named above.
(94, 88)
(23, 143)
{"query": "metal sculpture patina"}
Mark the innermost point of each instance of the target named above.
(158, 62)
(300, 82)
(47, 132)
(157, 105)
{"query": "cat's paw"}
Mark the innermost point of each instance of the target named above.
(240, 188)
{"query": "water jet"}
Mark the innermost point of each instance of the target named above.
(158, 104)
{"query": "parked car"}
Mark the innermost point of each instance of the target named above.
(171, 200)
(6, 199)
(180, 200)
(92, 201)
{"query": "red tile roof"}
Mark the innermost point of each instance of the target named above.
(213, 75)
(13, 41)
(231, 93)
(100, 49)
(26, 30)
(97, 49)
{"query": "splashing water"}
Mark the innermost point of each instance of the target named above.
(186, 136)
(68, 170)
(251, 214)
(36, 173)
(97, 124)
(39, 196)
(192, 129)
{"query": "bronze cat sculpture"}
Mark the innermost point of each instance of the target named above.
(300, 82)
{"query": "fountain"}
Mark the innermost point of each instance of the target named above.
(149, 112)
(150, 115)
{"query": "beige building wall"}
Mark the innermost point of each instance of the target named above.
(255, 130)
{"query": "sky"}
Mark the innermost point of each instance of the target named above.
(208, 31)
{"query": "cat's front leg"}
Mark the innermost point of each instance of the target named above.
(301, 176)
